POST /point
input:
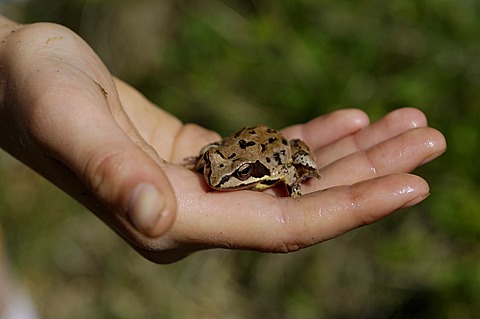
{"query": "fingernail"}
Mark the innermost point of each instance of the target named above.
(145, 207)
(414, 201)
(432, 156)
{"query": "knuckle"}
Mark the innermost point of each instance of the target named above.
(101, 171)
(294, 232)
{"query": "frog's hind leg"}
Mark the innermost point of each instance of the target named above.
(303, 160)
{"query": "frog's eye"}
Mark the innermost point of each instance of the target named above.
(243, 172)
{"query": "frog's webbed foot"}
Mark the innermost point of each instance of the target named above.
(305, 173)
(294, 190)
(192, 163)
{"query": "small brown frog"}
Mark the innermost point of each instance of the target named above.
(255, 158)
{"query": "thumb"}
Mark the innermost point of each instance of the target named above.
(96, 141)
(123, 175)
(61, 102)
(132, 183)
(116, 165)
(83, 150)
(62, 117)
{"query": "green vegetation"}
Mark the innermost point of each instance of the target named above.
(276, 62)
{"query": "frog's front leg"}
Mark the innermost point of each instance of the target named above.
(197, 163)
(293, 182)
(191, 162)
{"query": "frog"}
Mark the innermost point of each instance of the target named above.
(255, 158)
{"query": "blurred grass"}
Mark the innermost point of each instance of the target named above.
(244, 62)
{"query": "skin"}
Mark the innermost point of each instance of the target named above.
(102, 142)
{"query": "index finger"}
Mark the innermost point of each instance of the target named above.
(328, 128)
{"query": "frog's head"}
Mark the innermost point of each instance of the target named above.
(230, 173)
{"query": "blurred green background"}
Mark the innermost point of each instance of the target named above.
(277, 62)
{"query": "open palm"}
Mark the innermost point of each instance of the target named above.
(107, 146)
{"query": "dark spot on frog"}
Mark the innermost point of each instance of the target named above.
(259, 170)
(232, 155)
(220, 153)
(268, 159)
(277, 158)
(271, 140)
(244, 144)
(221, 165)
(224, 180)
(269, 130)
(252, 132)
(284, 142)
(300, 155)
(206, 161)
(264, 147)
